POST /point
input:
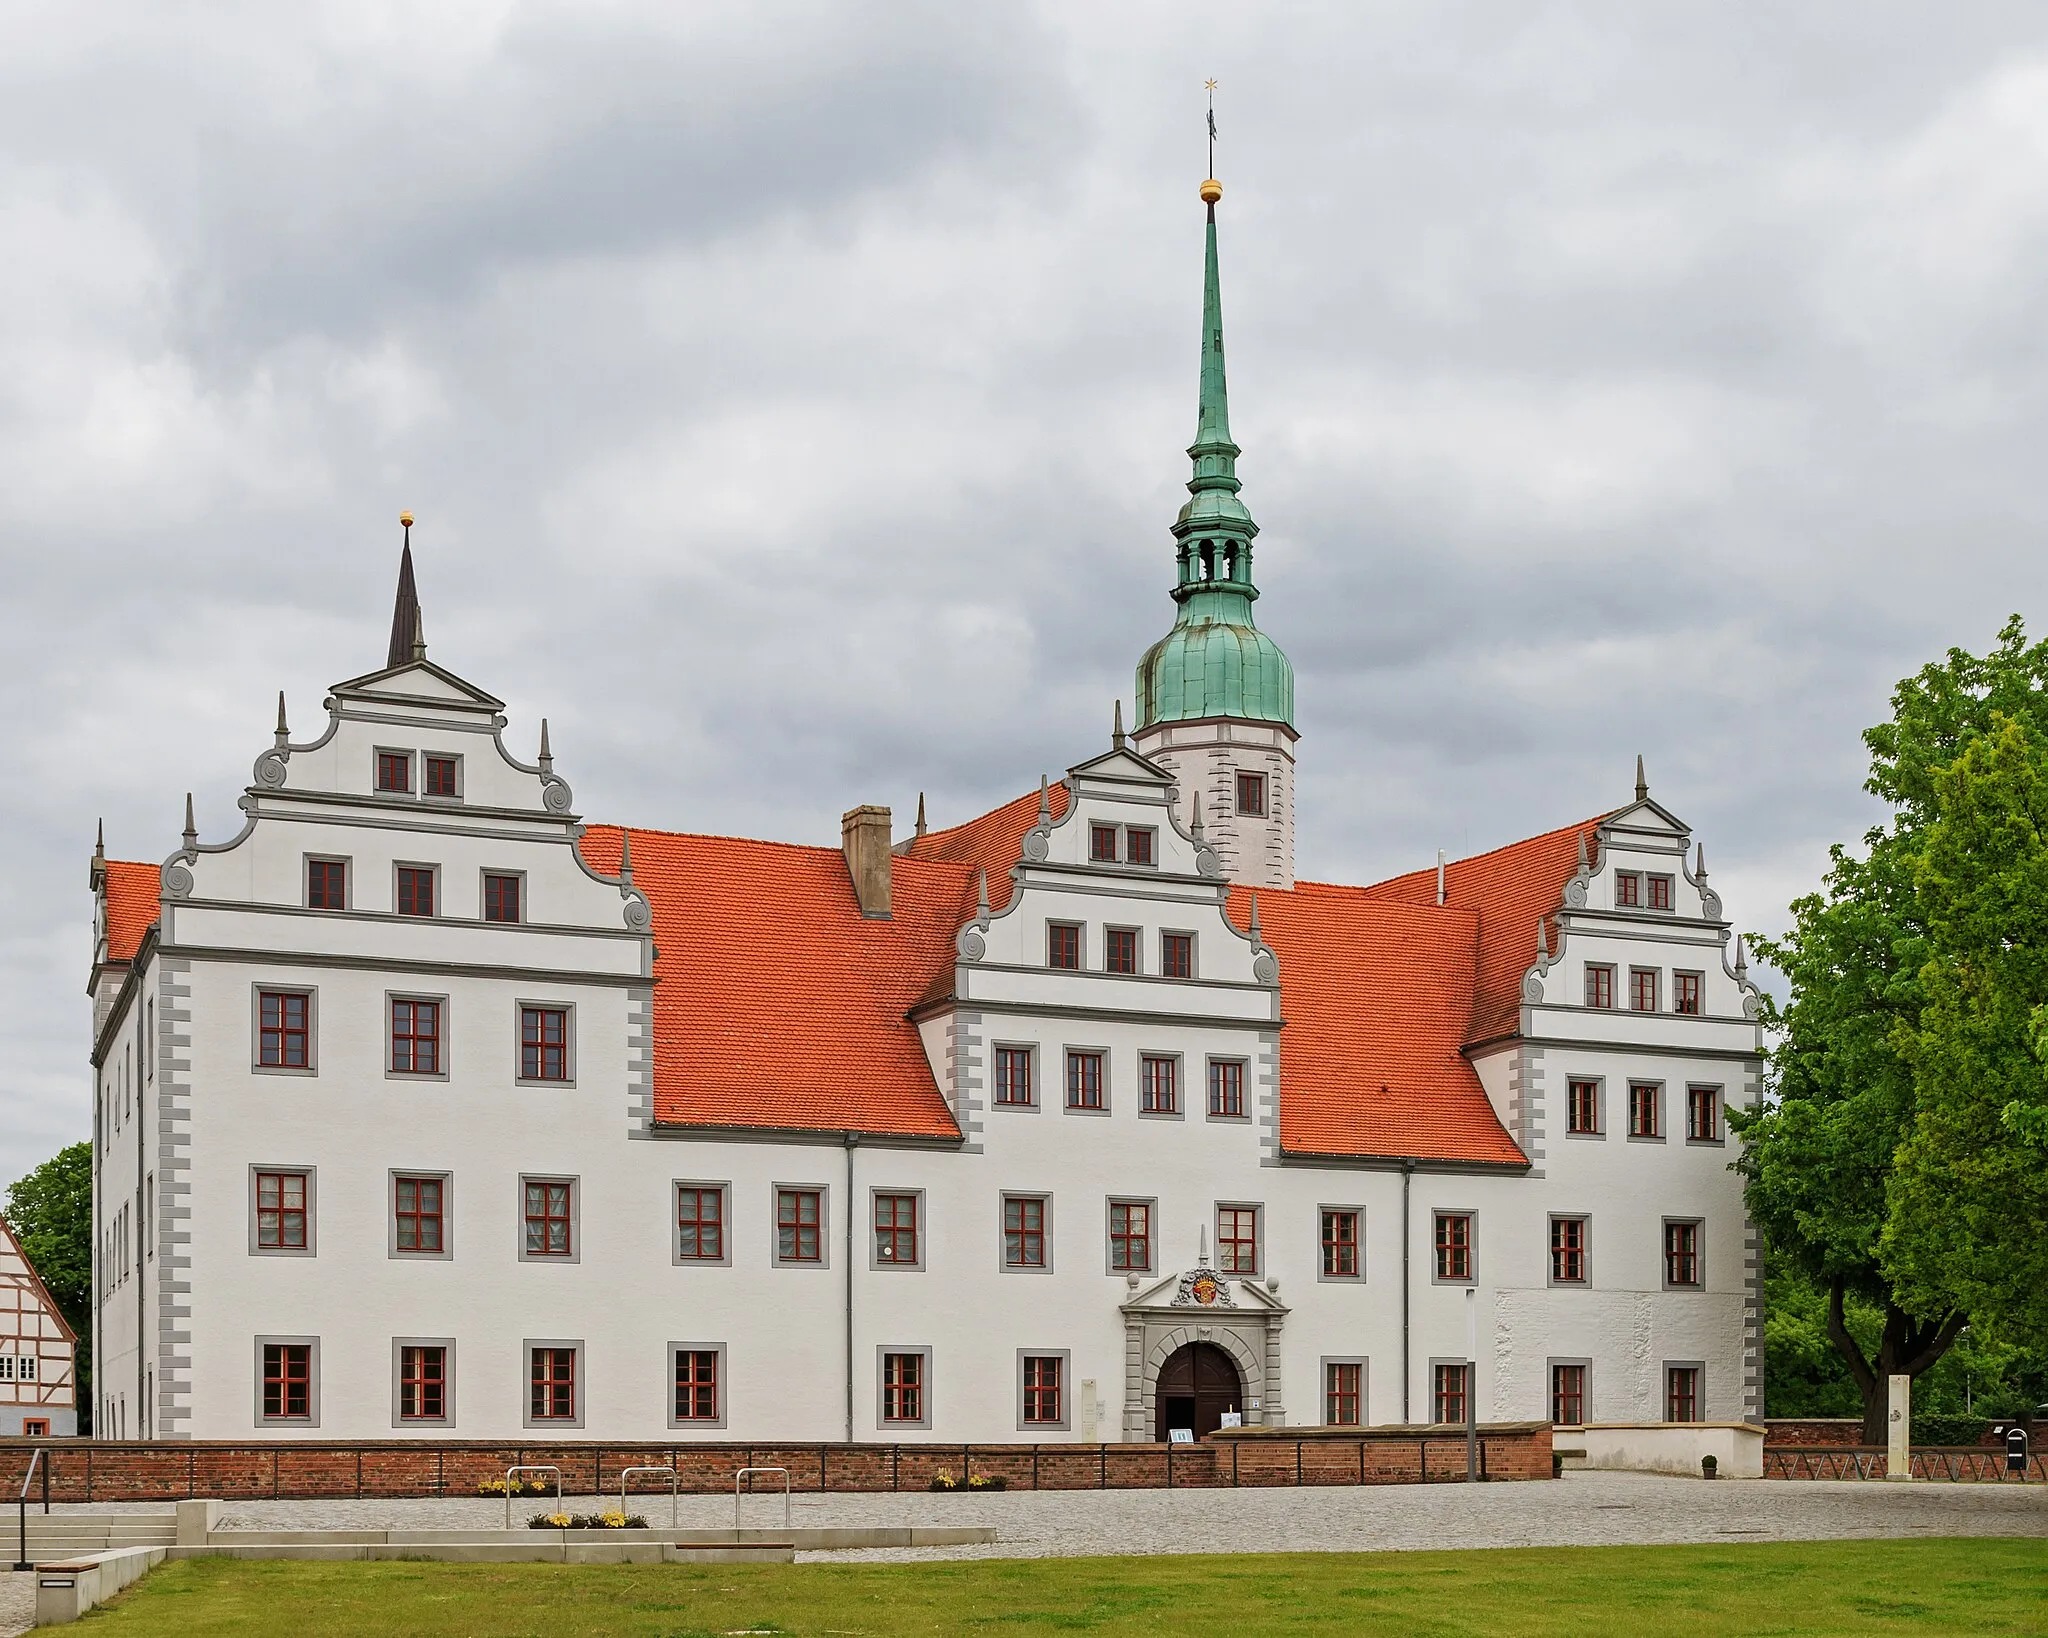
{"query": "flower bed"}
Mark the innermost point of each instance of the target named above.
(945, 1483)
(587, 1521)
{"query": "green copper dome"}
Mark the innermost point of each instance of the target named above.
(1215, 662)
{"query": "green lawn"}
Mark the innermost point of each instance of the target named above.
(1974, 1586)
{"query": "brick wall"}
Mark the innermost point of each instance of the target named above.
(105, 1470)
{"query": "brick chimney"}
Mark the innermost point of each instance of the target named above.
(864, 834)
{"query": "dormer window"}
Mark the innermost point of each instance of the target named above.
(1628, 890)
(394, 772)
(1138, 847)
(1102, 844)
(440, 777)
(1658, 890)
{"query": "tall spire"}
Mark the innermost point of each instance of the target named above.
(405, 616)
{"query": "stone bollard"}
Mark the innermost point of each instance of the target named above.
(196, 1521)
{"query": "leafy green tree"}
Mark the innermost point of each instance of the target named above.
(51, 1213)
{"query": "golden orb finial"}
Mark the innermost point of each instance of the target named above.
(405, 520)
(1212, 190)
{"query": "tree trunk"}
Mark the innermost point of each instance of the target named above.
(1906, 1347)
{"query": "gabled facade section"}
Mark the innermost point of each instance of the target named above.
(38, 1351)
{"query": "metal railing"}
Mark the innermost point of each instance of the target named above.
(1957, 1465)
(673, 1482)
(529, 1467)
(748, 1472)
(35, 1463)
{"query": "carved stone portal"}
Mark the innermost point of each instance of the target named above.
(1243, 1318)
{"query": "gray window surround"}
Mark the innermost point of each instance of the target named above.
(1151, 1204)
(1364, 1388)
(1258, 1210)
(440, 905)
(1699, 1397)
(1003, 1262)
(575, 1253)
(391, 1074)
(1656, 977)
(1635, 876)
(1150, 830)
(1030, 1050)
(1662, 1114)
(1550, 1386)
(1670, 893)
(924, 1228)
(568, 1011)
(1067, 1386)
(1472, 1244)
(447, 1420)
(257, 990)
(461, 783)
(1550, 1278)
(1699, 1255)
(412, 775)
(485, 871)
(694, 1424)
(1179, 1111)
(1194, 952)
(1244, 1088)
(447, 1182)
(1720, 1093)
(1080, 944)
(311, 1247)
(1607, 967)
(924, 1400)
(526, 1417)
(1137, 950)
(1688, 972)
(1357, 1211)
(824, 1194)
(1066, 1053)
(312, 1417)
(348, 877)
(1600, 1129)
(1265, 808)
(1429, 1382)
(675, 1232)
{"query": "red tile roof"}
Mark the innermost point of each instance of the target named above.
(991, 842)
(132, 898)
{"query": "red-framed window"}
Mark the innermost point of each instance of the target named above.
(422, 1383)
(394, 771)
(1084, 1080)
(1659, 891)
(700, 1224)
(288, 1380)
(1130, 1236)
(1568, 1395)
(1453, 1245)
(1102, 843)
(1703, 1113)
(501, 898)
(896, 1229)
(1159, 1085)
(326, 884)
(439, 779)
(543, 1043)
(696, 1384)
(1643, 1098)
(281, 1211)
(418, 1224)
(1642, 989)
(1138, 847)
(1226, 1086)
(35, 1427)
(1044, 1388)
(797, 1226)
(550, 1218)
(1023, 1231)
(1685, 994)
(1450, 1386)
(1599, 985)
(1682, 1393)
(1582, 1106)
(416, 1037)
(1628, 889)
(903, 1387)
(282, 1038)
(415, 890)
(1237, 1239)
(1062, 944)
(1681, 1258)
(1340, 1245)
(1013, 1075)
(1251, 794)
(1568, 1250)
(554, 1385)
(1120, 950)
(1177, 955)
(1342, 1382)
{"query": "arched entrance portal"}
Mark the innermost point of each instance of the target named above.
(1197, 1384)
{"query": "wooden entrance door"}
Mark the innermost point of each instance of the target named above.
(1197, 1384)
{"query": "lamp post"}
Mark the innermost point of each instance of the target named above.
(1471, 1384)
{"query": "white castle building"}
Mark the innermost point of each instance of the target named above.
(422, 1106)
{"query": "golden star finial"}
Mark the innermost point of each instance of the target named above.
(1209, 85)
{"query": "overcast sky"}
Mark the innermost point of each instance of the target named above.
(792, 400)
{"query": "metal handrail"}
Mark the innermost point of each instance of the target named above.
(21, 1561)
(673, 1481)
(747, 1472)
(529, 1467)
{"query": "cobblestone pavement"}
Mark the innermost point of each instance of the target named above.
(17, 1601)
(1582, 1509)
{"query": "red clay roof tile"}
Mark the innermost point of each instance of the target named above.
(133, 895)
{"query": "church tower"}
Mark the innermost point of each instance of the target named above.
(1215, 701)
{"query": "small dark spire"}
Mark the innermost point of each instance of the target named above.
(99, 845)
(284, 732)
(547, 757)
(920, 813)
(1116, 731)
(1642, 784)
(405, 613)
(191, 829)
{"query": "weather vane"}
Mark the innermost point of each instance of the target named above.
(1210, 86)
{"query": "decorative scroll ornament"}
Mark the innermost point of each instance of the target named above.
(1038, 840)
(970, 943)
